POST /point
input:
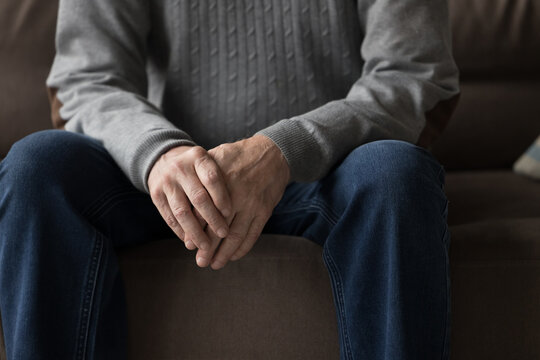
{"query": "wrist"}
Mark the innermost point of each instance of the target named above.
(274, 152)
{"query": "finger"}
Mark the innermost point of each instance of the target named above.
(203, 257)
(189, 244)
(201, 200)
(212, 178)
(199, 217)
(181, 209)
(237, 235)
(252, 236)
(161, 203)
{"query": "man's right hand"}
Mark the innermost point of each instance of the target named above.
(186, 176)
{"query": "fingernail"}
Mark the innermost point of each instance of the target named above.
(188, 244)
(204, 245)
(201, 261)
(222, 232)
(234, 258)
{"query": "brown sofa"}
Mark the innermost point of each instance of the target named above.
(277, 303)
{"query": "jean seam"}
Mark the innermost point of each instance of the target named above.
(328, 214)
(105, 199)
(88, 300)
(446, 244)
(336, 284)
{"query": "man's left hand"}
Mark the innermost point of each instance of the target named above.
(256, 174)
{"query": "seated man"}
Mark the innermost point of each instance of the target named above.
(215, 121)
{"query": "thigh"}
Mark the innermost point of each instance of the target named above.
(83, 177)
(304, 210)
(385, 174)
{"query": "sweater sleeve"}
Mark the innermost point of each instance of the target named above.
(407, 91)
(98, 83)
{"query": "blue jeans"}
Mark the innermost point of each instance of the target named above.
(65, 206)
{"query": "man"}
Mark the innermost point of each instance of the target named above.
(216, 120)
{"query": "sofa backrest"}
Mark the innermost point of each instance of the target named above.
(26, 54)
(497, 48)
(496, 45)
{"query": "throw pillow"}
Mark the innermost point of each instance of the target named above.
(529, 163)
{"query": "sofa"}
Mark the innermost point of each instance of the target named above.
(276, 303)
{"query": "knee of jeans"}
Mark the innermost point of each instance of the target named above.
(41, 158)
(394, 168)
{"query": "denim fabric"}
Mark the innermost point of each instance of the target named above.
(380, 216)
(64, 207)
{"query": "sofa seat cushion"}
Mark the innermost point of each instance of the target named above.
(495, 272)
(489, 195)
(275, 303)
(280, 295)
(496, 240)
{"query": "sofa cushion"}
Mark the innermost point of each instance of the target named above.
(280, 295)
(490, 195)
(496, 240)
(26, 54)
(276, 303)
(529, 163)
(497, 49)
(496, 289)
(497, 38)
(493, 125)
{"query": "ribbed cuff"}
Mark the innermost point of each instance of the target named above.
(298, 146)
(150, 149)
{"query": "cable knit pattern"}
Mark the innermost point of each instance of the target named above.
(259, 67)
(143, 76)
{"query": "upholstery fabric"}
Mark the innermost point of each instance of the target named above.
(493, 125)
(496, 39)
(495, 289)
(476, 196)
(274, 304)
(26, 53)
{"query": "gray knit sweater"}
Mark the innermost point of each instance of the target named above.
(318, 77)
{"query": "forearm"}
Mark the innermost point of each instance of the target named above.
(98, 83)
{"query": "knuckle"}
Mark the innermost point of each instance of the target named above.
(199, 197)
(217, 152)
(215, 222)
(180, 212)
(198, 151)
(202, 159)
(212, 177)
(154, 193)
(171, 221)
(180, 168)
(235, 237)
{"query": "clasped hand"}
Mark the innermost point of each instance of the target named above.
(218, 201)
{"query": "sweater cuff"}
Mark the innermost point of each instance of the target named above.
(150, 149)
(299, 147)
